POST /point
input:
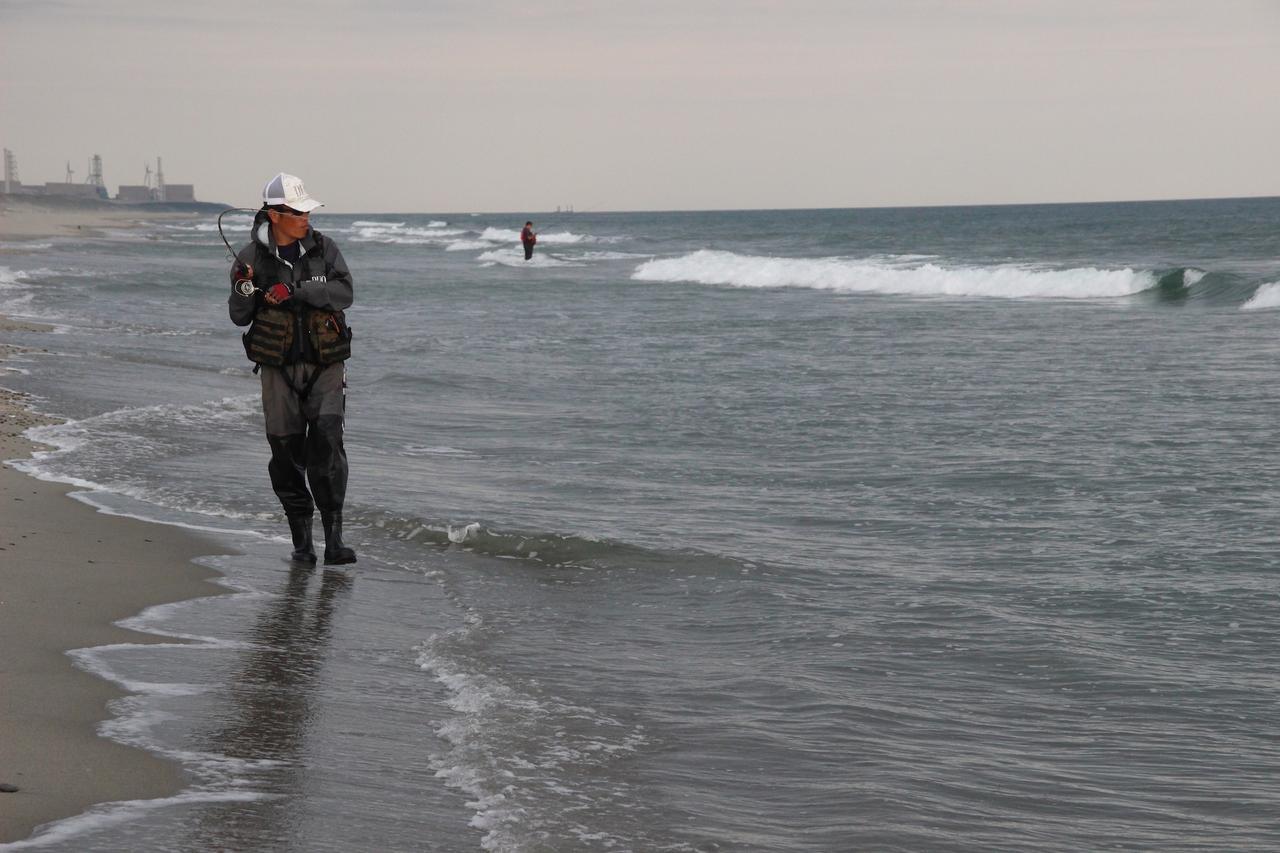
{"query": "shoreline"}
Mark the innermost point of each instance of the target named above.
(68, 574)
(26, 219)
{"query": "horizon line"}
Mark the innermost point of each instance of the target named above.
(588, 211)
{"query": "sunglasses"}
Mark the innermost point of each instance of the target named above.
(289, 211)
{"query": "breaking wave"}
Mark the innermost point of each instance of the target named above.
(11, 277)
(1266, 296)
(507, 235)
(366, 231)
(846, 275)
(514, 257)
(232, 223)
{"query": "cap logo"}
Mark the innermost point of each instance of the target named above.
(288, 190)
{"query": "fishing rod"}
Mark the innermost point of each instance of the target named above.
(244, 286)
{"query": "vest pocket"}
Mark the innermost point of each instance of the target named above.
(330, 336)
(270, 338)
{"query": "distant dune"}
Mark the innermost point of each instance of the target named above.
(43, 216)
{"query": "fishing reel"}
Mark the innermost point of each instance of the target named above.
(245, 287)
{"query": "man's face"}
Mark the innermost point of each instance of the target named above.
(288, 227)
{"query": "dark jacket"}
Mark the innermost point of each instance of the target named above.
(319, 277)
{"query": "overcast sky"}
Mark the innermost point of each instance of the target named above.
(492, 105)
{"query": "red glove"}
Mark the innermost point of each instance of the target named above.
(279, 293)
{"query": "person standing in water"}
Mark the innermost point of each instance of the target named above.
(528, 238)
(290, 286)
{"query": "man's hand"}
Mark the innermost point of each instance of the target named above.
(277, 293)
(242, 279)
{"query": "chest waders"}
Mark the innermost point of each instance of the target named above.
(308, 466)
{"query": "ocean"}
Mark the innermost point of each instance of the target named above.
(935, 529)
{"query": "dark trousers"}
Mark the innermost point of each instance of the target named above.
(308, 466)
(528, 251)
(316, 458)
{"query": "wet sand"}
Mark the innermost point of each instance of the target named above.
(67, 573)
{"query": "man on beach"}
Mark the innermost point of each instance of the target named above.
(528, 238)
(290, 286)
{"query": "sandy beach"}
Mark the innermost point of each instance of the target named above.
(51, 217)
(67, 573)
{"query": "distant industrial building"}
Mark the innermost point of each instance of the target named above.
(93, 187)
(179, 192)
(135, 193)
(65, 190)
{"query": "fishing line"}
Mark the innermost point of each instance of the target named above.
(244, 287)
(230, 251)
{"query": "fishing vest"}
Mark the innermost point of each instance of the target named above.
(293, 332)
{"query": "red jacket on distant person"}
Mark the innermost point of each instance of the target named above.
(527, 236)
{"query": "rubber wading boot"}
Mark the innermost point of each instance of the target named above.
(335, 553)
(304, 551)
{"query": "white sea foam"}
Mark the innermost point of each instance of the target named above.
(468, 245)
(71, 434)
(232, 223)
(435, 450)
(219, 778)
(166, 619)
(848, 275)
(610, 256)
(128, 432)
(147, 499)
(398, 232)
(14, 305)
(17, 295)
(437, 223)
(112, 814)
(77, 272)
(511, 750)
(463, 532)
(157, 331)
(25, 277)
(514, 257)
(206, 244)
(507, 235)
(10, 277)
(1190, 277)
(1266, 296)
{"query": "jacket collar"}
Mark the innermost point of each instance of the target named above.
(262, 236)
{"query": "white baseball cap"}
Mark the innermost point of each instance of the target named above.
(289, 191)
